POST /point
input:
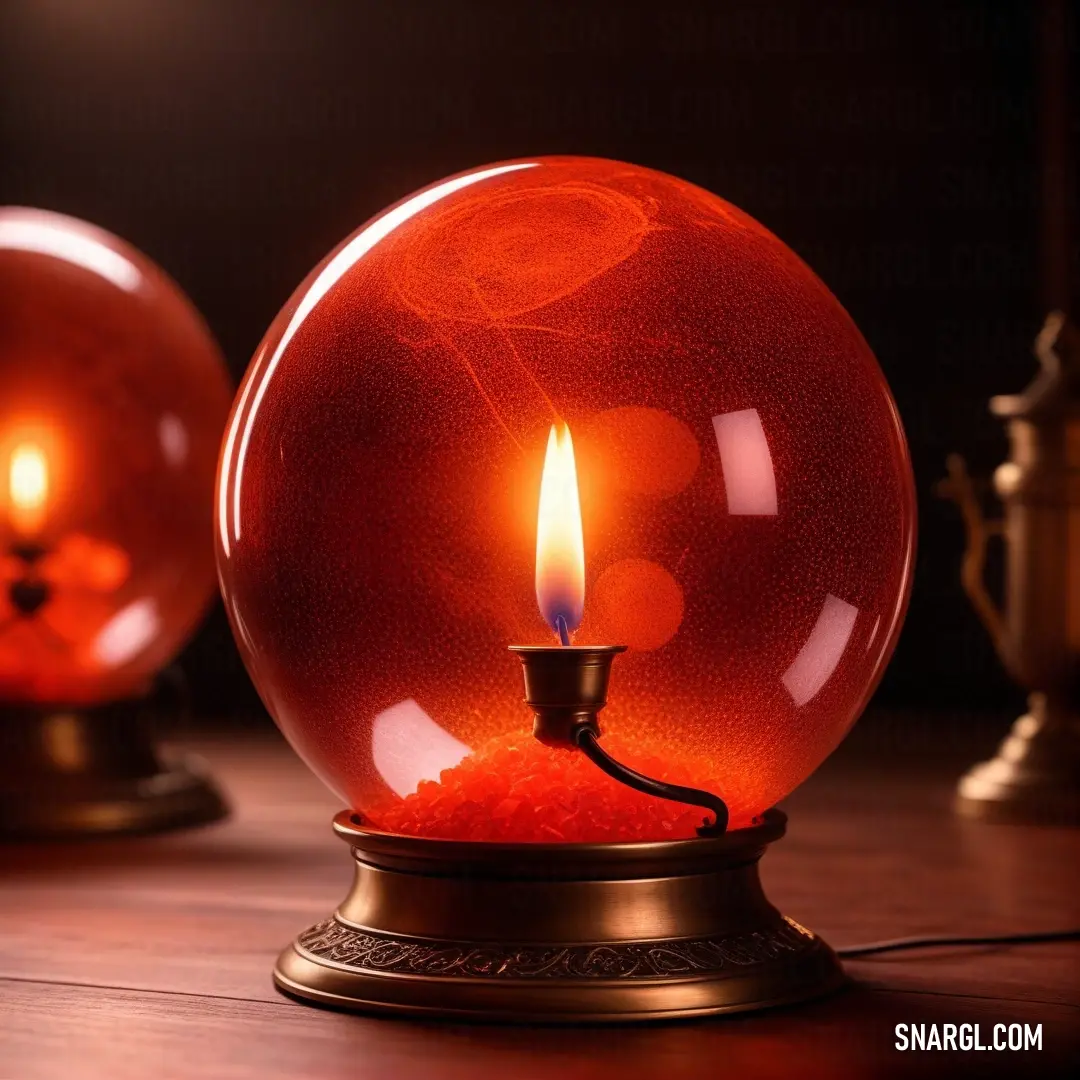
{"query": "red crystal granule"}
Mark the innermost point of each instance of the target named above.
(515, 789)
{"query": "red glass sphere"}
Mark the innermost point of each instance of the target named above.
(744, 487)
(113, 397)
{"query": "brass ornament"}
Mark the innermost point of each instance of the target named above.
(1035, 776)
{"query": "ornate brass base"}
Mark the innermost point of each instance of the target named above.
(1035, 777)
(80, 772)
(557, 933)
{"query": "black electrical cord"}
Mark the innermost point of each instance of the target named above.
(588, 742)
(874, 948)
(590, 746)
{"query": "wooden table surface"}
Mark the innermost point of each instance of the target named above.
(151, 958)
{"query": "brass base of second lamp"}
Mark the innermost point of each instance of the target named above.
(558, 933)
(1035, 776)
(71, 772)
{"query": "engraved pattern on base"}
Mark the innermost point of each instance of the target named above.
(336, 943)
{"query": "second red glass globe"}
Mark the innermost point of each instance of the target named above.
(745, 498)
(113, 395)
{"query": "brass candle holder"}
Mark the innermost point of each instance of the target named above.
(1036, 773)
(91, 771)
(560, 932)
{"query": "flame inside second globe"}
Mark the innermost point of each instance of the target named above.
(399, 500)
(28, 486)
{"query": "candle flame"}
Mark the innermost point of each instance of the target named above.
(560, 545)
(28, 486)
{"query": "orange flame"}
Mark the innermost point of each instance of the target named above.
(560, 545)
(28, 486)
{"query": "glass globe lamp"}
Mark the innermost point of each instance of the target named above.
(113, 396)
(592, 415)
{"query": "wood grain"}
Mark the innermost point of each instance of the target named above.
(97, 1033)
(151, 957)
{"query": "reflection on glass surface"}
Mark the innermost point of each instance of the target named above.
(873, 633)
(45, 237)
(129, 631)
(747, 463)
(818, 658)
(407, 746)
(174, 439)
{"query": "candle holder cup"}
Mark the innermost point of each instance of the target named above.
(566, 686)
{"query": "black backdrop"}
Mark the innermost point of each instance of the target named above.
(893, 145)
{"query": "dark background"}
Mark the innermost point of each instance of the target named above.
(895, 146)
